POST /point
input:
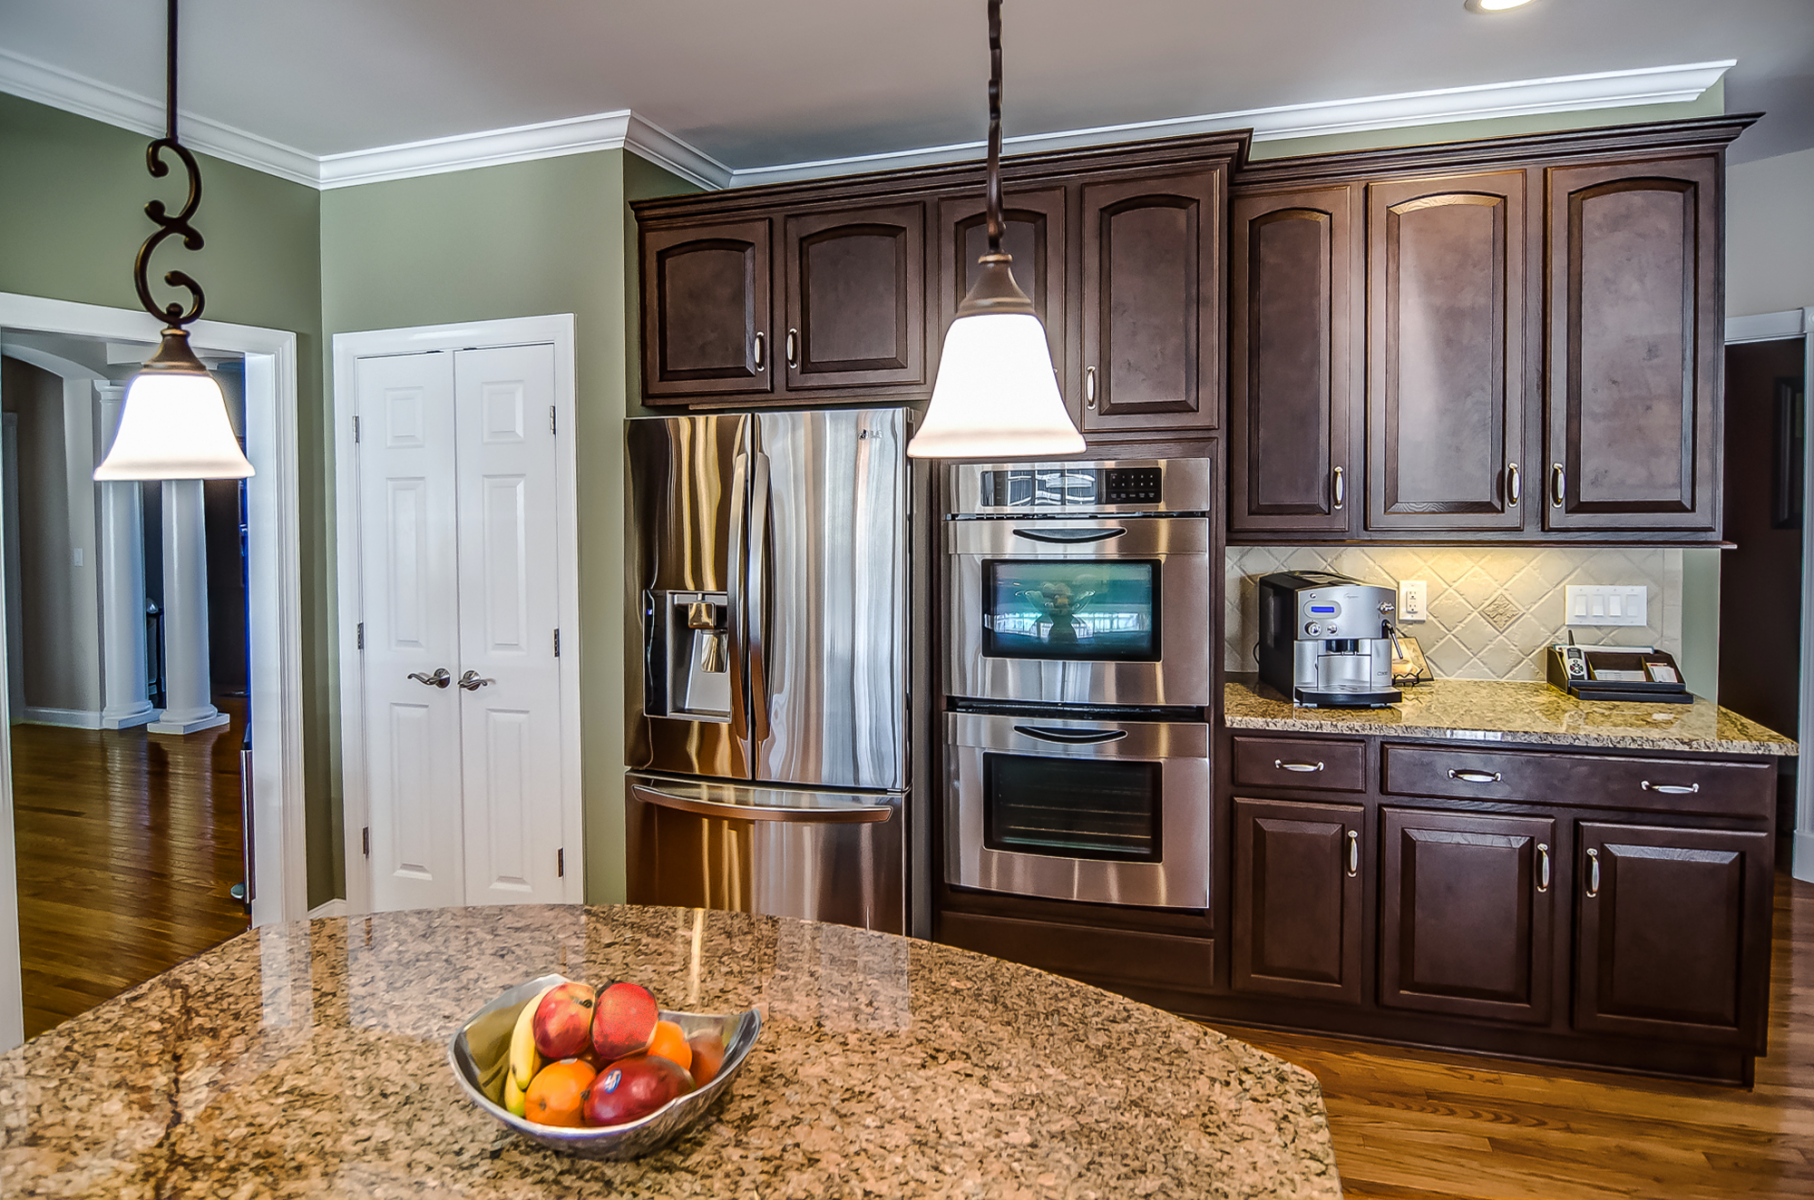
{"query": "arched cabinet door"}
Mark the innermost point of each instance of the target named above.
(855, 298)
(1635, 327)
(1151, 288)
(705, 310)
(1034, 236)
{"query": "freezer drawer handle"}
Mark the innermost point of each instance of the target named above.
(1671, 789)
(1068, 537)
(699, 806)
(1279, 764)
(1072, 737)
(1474, 776)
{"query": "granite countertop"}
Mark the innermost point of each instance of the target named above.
(1485, 710)
(309, 1060)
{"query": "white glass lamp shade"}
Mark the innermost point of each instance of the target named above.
(996, 395)
(174, 426)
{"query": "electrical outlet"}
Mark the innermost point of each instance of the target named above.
(1607, 605)
(1413, 601)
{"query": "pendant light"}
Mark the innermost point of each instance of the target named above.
(174, 423)
(996, 395)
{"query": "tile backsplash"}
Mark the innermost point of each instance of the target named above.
(1493, 611)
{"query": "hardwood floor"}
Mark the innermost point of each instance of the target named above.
(127, 843)
(1417, 1123)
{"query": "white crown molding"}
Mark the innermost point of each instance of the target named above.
(1564, 93)
(623, 129)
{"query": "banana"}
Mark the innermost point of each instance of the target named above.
(525, 1059)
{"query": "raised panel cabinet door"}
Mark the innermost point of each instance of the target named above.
(1467, 911)
(1445, 352)
(1297, 901)
(705, 310)
(1151, 289)
(1291, 355)
(1674, 938)
(855, 286)
(1033, 235)
(1635, 329)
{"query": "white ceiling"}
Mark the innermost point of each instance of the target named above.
(787, 81)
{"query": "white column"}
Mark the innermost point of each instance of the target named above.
(188, 696)
(122, 586)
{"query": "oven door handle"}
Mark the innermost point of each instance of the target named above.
(1069, 537)
(1072, 737)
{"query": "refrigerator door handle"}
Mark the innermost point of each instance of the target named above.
(738, 622)
(700, 806)
(756, 598)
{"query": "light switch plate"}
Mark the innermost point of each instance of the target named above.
(1617, 604)
(1413, 601)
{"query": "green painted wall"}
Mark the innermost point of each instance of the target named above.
(72, 216)
(525, 239)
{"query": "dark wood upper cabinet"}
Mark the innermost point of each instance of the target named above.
(855, 297)
(1033, 235)
(1673, 926)
(1297, 899)
(1293, 384)
(1635, 329)
(1467, 909)
(1151, 312)
(1446, 337)
(705, 310)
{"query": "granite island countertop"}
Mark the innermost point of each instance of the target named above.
(1511, 711)
(309, 1060)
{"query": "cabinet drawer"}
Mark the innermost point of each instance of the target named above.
(1304, 764)
(1583, 780)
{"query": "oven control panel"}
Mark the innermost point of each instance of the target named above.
(1130, 485)
(1071, 489)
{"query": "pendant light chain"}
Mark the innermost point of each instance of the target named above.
(994, 184)
(171, 314)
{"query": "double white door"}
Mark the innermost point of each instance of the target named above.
(460, 628)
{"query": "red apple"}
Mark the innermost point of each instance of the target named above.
(633, 1087)
(563, 1021)
(624, 1022)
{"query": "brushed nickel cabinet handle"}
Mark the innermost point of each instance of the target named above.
(1279, 764)
(1558, 485)
(439, 679)
(793, 347)
(761, 344)
(1514, 489)
(1353, 854)
(1340, 488)
(1543, 866)
(1474, 776)
(1671, 789)
(1593, 872)
(1089, 386)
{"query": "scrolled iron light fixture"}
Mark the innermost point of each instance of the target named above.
(996, 395)
(174, 423)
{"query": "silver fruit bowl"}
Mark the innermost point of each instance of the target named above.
(479, 1054)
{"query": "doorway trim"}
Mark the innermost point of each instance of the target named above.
(280, 848)
(556, 330)
(1770, 327)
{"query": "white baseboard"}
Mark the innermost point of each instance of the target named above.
(1803, 867)
(68, 718)
(333, 908)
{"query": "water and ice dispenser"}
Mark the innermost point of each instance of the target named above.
(691, 640)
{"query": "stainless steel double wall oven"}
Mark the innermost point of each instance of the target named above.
(1078, 672)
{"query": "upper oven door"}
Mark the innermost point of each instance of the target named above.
(1111, 611)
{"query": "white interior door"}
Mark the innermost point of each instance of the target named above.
(510, 693)
(409, 563)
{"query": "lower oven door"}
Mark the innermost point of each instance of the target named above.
(1116, 812)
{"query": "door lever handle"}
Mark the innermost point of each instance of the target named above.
(471, 681)
(439, 679)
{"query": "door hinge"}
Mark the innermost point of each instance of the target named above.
(359, 636)
(560, 863)
(355, 431)
(557, 643)
(365, 840)
(551, 420)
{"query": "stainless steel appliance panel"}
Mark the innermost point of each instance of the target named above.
(1153, 850)
(1175, 552)
(828, 607)
(820, 856)
(686, 494)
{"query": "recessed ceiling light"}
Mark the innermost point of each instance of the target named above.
(1492, 6)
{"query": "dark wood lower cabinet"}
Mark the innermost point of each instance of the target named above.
(1674, 932)
(1297, 901)
(1467, 913)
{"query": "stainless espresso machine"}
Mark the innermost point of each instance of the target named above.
(1326, 639)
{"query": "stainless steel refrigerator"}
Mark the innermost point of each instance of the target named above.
(767, 663)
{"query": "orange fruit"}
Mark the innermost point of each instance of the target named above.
(671, 1044)
(557, 1093)
(708, 1056)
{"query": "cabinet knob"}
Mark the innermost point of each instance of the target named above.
(1558, 485)
(761, 344)
(1340, 487)
(1513, 488)
(1353, 854)
(793, 347)
(1089, 386)
(1593, 872)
